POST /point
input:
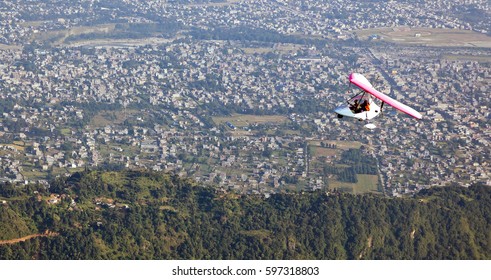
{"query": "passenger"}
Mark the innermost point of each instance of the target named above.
(366, 106)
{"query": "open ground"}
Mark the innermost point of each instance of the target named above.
(427, 37)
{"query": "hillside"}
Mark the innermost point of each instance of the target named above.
(144, 215)
(13, 226)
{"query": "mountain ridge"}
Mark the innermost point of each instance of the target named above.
(152, 215)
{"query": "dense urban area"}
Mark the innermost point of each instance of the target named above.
(240, 94)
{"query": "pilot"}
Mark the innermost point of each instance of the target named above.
(355, 107)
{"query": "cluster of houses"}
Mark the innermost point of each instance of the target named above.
(151, 106)
(20, 20)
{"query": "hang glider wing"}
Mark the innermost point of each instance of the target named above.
(360, 81)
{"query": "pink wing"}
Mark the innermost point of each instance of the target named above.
(360, 81)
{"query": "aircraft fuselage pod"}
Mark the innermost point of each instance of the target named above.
(360, 113)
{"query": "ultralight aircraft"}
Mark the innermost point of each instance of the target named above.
(362, 105)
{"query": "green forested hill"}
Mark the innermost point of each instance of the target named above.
(143, 215)
(12, 225)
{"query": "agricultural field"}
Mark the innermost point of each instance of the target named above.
(105, 118)
(18, 145)
(280, 48)
(343, 145)
(330, 149)
(366, 184)
(66, 131)
(240, 121)
(213, 4)
(330, 153)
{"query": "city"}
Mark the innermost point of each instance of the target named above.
(240, 94)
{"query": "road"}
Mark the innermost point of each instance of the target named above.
(22, 239)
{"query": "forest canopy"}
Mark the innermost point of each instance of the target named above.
(149, 215)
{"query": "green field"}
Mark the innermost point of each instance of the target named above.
(105, 118)
(365, 184)
(318, 151)
(33, 174)
(66, 131)
(343, 145)
(114, 178)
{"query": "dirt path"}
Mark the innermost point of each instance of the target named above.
(22, 239)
